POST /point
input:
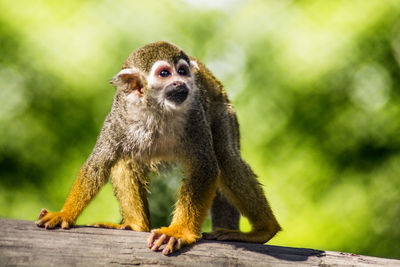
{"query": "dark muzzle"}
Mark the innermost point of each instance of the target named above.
(177, 92)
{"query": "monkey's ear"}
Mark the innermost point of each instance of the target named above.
(129, 80)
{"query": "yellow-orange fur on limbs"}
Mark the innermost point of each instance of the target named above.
(168, 107)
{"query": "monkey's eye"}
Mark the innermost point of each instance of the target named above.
(182, 71)
(164, 73)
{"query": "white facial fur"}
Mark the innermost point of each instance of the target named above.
(158, 83)
(194, 64)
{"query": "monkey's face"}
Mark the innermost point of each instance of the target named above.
(167, 86)
(171, 85)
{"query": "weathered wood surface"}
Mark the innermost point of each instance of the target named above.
(22, 243)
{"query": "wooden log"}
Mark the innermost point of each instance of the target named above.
(23, 243)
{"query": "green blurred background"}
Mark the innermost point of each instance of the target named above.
(315, 84)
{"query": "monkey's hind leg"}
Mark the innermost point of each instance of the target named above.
(130, 186)
(239, 185)
(244, 191)
(224, 214)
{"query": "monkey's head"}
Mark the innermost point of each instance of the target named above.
(157, 74)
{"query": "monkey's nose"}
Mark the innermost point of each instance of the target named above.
(176, 92)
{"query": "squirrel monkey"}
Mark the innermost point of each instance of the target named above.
(168, 107)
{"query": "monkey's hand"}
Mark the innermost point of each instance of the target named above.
(50, 220)
(173, 236)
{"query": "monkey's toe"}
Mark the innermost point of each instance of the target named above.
(42, 213)
(51, 220)
(123, 226)
(108, 225)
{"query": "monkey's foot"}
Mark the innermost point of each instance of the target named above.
(221, 234)
(50, 220)
(123, 226)
(173, 237)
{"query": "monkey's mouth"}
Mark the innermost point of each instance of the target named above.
(176, 93)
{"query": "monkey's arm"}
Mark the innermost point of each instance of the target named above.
(196, 193)
(92, 176)
(130, 183)
(195, 197)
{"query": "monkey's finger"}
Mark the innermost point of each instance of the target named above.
(178, 244)
(41, 222)
(169, 248)
(126, 227)
(42, 213)
(53, 223)
(50, 225)
(150, 240)
(159, 242)
(65, 225)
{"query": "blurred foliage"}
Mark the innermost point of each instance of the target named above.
(315, 83)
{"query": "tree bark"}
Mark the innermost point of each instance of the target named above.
(23, 243)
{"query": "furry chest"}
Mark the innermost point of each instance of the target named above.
(155, 139)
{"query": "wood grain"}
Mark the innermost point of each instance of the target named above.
(23, 243)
